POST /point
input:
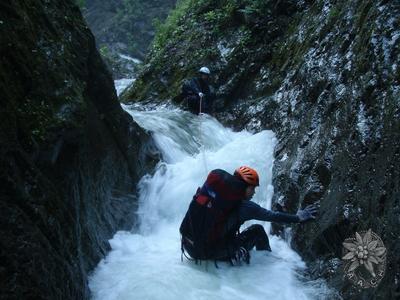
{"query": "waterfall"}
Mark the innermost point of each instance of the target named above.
(146, 262)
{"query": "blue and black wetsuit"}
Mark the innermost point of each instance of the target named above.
(190, 94)
(218, 209)
(254, 235)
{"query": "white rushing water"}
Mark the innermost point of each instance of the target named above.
(146, 263)
(122, 84)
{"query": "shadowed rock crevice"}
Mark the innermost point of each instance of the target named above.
(68, 157)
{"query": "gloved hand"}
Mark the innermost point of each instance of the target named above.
(201, 95)
(307, 213)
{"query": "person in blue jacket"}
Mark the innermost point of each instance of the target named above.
(211, 226)
(198, 93)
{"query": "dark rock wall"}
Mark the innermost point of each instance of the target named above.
(69, 155)
(324, 76)
(336, 114)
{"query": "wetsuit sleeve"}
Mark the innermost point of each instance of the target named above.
(249, 210)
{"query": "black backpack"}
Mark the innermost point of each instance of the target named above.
(211, 206)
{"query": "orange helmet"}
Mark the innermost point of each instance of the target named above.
(249, 175)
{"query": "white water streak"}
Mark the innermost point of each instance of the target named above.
(122, 84)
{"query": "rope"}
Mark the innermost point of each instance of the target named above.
(202, 147)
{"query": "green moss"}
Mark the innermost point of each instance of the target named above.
(181, 25)
(104, 51)
(172, 26)
(365, 30)
(363, 13)
(334, 13)
(81, 3)
(191, 33)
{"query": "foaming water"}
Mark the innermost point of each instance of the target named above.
(146, 264)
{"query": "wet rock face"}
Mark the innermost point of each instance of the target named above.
(336, 116)
(338, 129)
(68, 155)
(324, 76)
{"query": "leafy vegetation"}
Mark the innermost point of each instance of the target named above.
(81, 3)
(190, 37)
(136, 18)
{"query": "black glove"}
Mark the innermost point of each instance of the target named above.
(307, 213)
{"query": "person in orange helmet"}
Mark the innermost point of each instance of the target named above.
(211, 226)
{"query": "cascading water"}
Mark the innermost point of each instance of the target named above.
(146, 263)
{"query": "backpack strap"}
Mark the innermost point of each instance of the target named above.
(184, 253)
(193, 241)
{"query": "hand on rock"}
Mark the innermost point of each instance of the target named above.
(308, 213)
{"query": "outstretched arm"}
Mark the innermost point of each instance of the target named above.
(249, 210)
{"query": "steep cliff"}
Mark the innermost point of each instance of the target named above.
(324, 76)
(69, 156)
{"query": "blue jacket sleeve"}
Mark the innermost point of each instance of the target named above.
(249, 210)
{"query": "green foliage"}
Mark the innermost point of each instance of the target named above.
(130, 9)
(199, 23)
(173, 24)
(108, 57)
(130, 22)
(189, 37)
(219, 18)
(81, 3)
(334, 12)
(256, 7)
(128, 13)
(104, 51)
(188, 17)
(213, 16)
